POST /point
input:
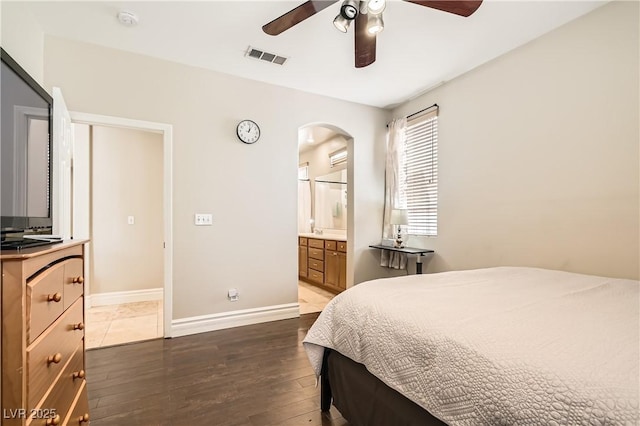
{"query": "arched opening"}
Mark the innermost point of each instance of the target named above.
(325, 221)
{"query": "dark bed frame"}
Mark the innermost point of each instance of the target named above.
(363, 399)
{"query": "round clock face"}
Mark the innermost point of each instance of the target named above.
(248, 131)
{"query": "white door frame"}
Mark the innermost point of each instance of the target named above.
(167, 141)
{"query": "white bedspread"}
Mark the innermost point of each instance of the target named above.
(496, 346)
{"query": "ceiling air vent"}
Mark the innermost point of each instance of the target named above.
(265, 56)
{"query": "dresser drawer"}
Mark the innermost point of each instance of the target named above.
(35, 264)
(302, 241)
(342, 246)
(79, 414)
(316, 253)
(316, 243)
(316, 276)
(318, 265)
(47, 356)
(330, 245)
(73, 281)
(44, 300)
(66, 389)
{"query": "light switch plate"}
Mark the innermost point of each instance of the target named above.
(204, 219)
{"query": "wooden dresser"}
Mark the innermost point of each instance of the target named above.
(323, 262)
(43, 360)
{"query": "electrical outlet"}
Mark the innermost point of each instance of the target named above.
(233, 295)
(202, 219)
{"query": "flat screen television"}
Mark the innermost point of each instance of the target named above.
(25, 153)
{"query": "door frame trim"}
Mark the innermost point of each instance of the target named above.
(167, 142)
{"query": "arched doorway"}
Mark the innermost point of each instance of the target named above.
(324, 190)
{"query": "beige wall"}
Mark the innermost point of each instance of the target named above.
(126, 177)
(538, 153)
(22, 37)
(318, 158)
(251, 190)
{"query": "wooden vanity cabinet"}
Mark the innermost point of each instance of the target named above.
(336, 265)
(43, 354)
(326, 263)
(302, 257)
(316, 261)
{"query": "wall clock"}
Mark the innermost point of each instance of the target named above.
(248, 131)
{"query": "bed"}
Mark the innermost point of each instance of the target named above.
(494, 346)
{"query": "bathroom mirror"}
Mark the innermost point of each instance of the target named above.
(336, 177)
(330, 210)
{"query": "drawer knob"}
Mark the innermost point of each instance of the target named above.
(53, 420)
(54, 359)
(78, 374)
(78, 326)
(84, 418)
(54, 297)
(77, 280)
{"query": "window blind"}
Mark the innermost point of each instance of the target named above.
(338, 157)
(419, 176)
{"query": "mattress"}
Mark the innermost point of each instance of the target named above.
(495, 346)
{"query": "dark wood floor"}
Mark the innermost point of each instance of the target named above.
(257, 375)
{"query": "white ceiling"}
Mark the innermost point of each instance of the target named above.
(419, 48)
(311, 137)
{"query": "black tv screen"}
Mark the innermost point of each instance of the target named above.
(25, 152)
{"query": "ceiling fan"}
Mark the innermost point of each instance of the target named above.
(367, 15)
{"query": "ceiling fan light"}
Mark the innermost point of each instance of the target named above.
(349, 9)
(341, 23)
(376, 7)
(375, 24)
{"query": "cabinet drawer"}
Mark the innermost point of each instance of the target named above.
(57, 343)
(79, 413)
(66, 389)
(302, 241)
(316, 253)
(318, 265)
(342, 246)
(44, 300)
(330, 245)
(73, 281)
(35, 264)
(316, 276)
(316, 243)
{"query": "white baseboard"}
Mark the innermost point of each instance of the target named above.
(119, 297)
(204, 323)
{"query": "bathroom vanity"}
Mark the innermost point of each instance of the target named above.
(323, 261)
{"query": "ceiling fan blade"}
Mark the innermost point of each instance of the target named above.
(365, 43)
(295, 16)
(458, 7)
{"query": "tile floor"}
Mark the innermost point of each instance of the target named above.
(312, 298)
(131, 322)
(117, 324)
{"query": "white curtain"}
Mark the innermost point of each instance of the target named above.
(304, 206)
(395, 153)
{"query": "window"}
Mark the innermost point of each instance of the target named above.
(338, 157)
(419, 174)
